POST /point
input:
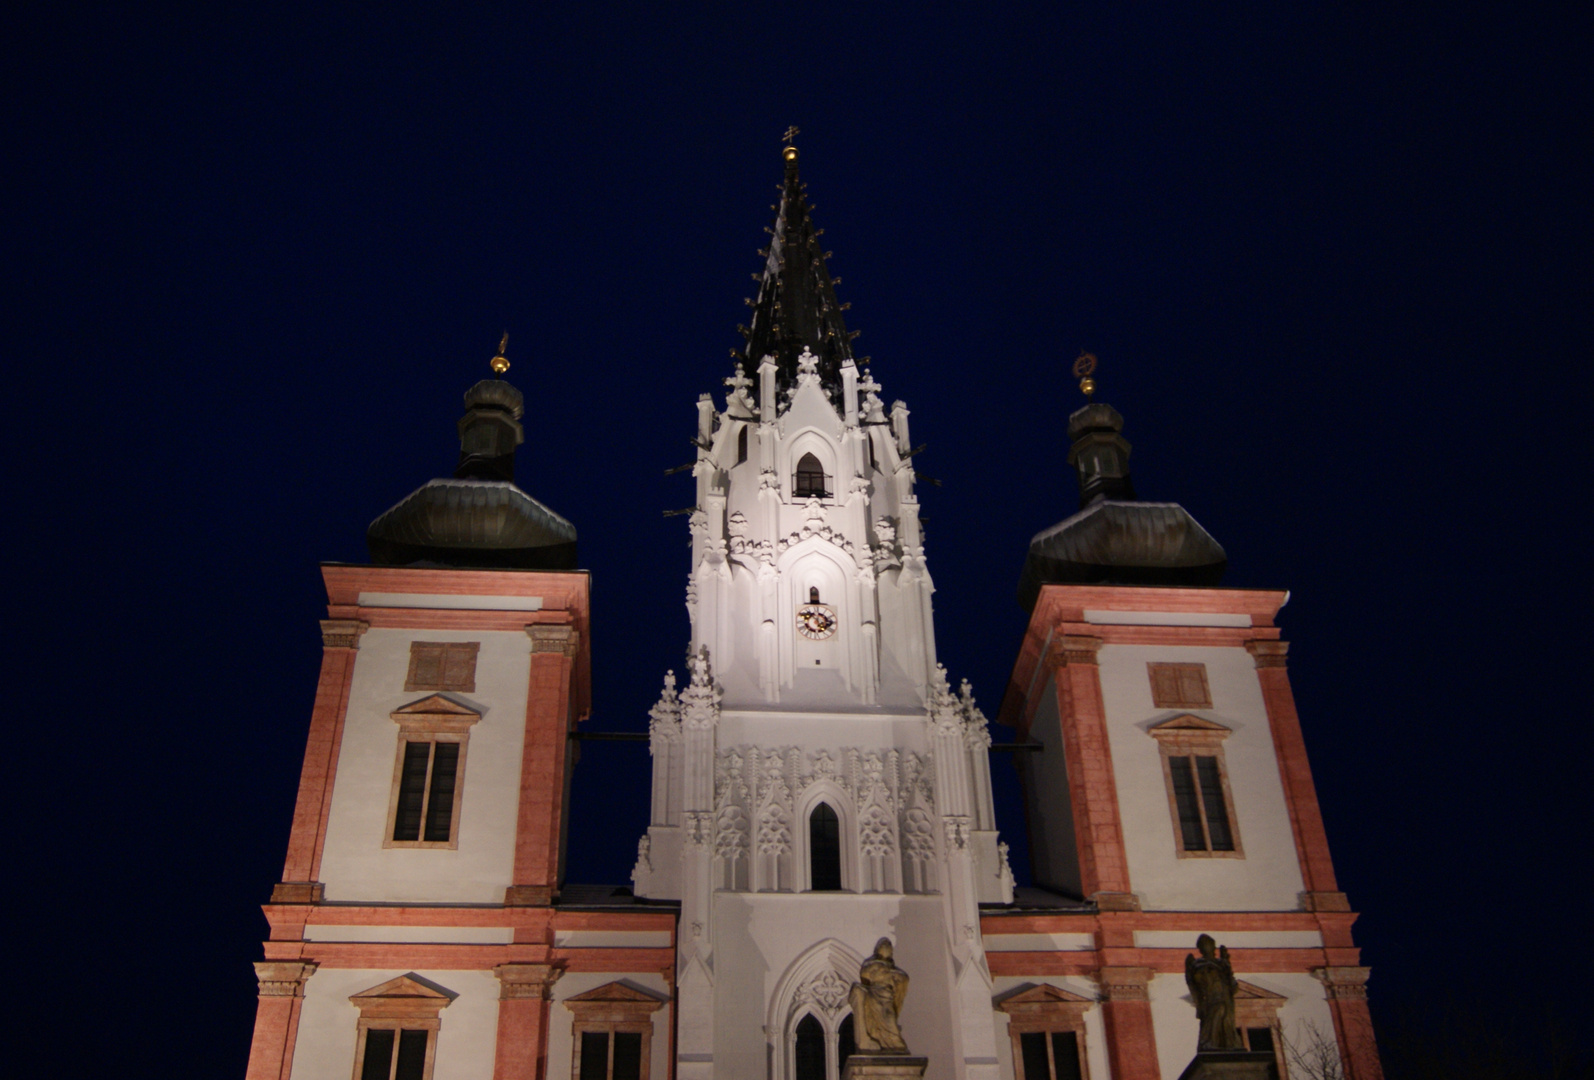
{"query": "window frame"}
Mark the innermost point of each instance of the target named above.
(433, 720)
(1255, 1007)
(1046, 1009)
(798, 472)
(402, 1004)
(1181, 674)
(1189, 737)
(611, 1008)
(465, 683)
(830, 1024)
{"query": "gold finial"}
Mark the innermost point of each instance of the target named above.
(1083, 367)
(498, 363)
(790, 153)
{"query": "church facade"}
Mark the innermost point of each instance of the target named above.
(819, 783)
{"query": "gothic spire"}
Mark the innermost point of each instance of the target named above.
(796, 304)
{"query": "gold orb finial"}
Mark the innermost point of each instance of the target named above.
(499, 363)
(1084, 367)
(790, 153)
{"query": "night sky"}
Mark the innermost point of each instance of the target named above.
(1335, 262)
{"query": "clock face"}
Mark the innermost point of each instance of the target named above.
(816, 621)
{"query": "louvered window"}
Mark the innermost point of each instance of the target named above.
(1179, 686)
(442, 665)
(427, 796)
(1199, 796)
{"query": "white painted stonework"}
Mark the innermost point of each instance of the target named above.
(356, 867)
(767, 723)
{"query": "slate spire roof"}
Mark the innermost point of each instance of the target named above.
(796, 305)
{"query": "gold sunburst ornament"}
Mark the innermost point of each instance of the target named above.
(1084, 367)
(499, 363)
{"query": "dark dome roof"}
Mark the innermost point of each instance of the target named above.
(497, 394)
(1124, 543)
(473, 523)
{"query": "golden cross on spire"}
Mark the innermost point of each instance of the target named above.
(499, 363)
(790, 153)
(1084, 367)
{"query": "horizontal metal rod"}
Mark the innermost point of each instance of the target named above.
(610, 736)
(1016, 747)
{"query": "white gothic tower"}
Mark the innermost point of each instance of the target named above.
(816, 783)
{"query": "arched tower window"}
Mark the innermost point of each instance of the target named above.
(741, 445)
(824, 849)
(810, 1049)
(813, 594)
(810, 477)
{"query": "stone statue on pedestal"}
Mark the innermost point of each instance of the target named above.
(1212, 986)
(876, 1000)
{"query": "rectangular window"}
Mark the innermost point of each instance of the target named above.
(442, 665)
(1201, 803)
(1179, 686)
(426, 796)
(394, 1055)
(1050, 1055)
(607, 1055)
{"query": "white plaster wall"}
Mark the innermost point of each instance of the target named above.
(561, 1021)
(1268, 878)
(466, 1040)
(1054, 854)
(1095, 1029)
(758, 936)
(1175, 1027)
(355, 866)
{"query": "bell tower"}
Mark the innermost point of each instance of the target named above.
(817, 782)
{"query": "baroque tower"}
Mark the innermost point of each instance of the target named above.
(817, 784)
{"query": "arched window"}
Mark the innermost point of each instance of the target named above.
(813, 594)
(824, 849)
(741, 445)
(846, 1044)
(810, 477)
(810, 1049)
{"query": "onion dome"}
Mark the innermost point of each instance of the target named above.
(478, 517)
(1116, 539)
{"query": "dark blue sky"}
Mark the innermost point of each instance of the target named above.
(1335, 261)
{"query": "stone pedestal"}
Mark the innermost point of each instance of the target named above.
(863, 1065)
(1230, 1065)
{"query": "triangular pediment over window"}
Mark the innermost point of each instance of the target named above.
(617, 991)
(435, 705)
(1248, 991)
(1043, 1000)
(1186, 724)
(408, 997)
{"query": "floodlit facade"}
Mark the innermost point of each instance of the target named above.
(818, 781)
